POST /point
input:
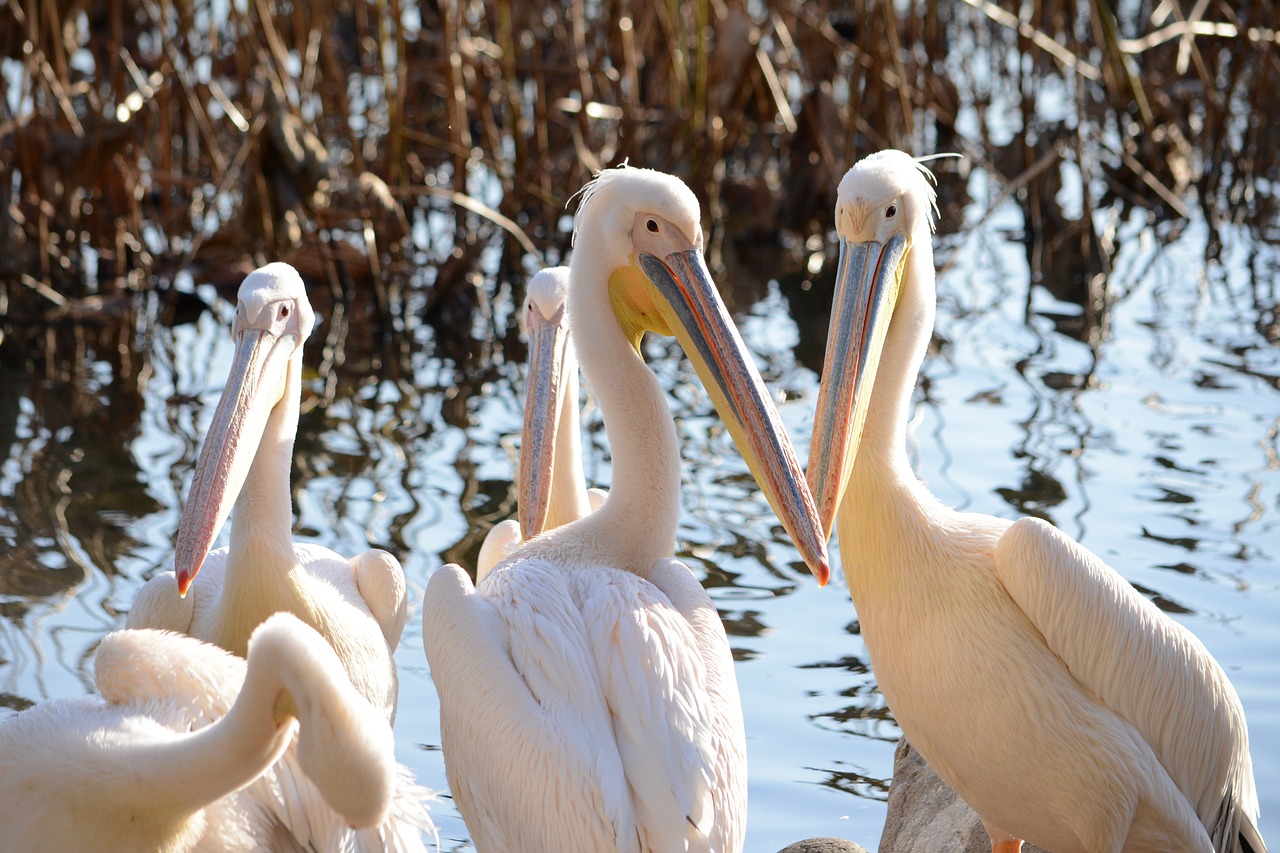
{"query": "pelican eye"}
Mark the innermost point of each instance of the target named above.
(284, 311)
(891, 211)
(652, 225)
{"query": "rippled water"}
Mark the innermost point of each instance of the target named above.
(1157, 447)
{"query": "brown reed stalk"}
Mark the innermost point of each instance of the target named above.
(381, 155)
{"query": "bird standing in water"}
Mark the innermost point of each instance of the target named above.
(358, 605)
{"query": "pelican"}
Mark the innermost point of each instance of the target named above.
(358, 605)
(551, 485)
(1064, 707)
(176, 753)
(587, 694)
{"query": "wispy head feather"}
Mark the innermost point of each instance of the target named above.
(598, 177)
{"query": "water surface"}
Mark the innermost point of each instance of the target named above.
(1156, 446)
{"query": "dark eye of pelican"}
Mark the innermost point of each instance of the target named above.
(284, 311)
(652, 225)
(891, 211)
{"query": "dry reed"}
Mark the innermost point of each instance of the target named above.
(413, 155)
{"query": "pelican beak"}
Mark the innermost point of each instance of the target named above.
(675, 296)
(544, 388)
(257, 382)
(868, 281)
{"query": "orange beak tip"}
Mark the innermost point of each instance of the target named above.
(823, 574)
(184, 583)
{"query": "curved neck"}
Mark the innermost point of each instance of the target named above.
(189, 772)
(291, 673)
(637, 522)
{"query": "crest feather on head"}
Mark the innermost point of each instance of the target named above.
(646, 189)
(894, 166)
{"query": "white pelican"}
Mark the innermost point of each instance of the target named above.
(550, 482)
(176, 754)
(587, 694)
(358, 605)
(1064, 707)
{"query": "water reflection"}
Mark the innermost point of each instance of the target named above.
(1143, 460)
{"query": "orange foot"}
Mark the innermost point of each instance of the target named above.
(1008, 845)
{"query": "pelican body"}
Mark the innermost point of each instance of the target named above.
(1063, 706)
(358, 605)
(587, 694)
(177, 752)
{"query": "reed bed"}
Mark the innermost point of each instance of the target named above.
(418, 158)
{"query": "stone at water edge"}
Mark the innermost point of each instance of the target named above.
(926, 816)
(824, 845)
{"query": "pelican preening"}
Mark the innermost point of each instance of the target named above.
(551, 488)
(1064, 707)
(587, 694)
(358, 605)
(177, 753)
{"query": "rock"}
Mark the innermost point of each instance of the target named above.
(926, 816)
(824, 845)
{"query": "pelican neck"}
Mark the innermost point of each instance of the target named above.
(262, 520)
(568, 500)
(642, 509)
(882, 452)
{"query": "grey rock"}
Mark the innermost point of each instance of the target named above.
(824, 845)
(926, 816)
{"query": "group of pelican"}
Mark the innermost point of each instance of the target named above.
(587, 694)
(248, 703)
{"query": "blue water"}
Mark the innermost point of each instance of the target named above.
(1156, 446)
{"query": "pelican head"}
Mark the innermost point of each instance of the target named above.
(547, 385)
(885, 207)
(645, 227)
(273, 319)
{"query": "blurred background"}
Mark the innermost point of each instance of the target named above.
(1106, 352)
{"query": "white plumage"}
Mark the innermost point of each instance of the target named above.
(359, 605)
(551, 486)
(587, 694)
(1063, 706)
(179, 751)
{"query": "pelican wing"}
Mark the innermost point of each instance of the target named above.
(499, 543)
(205, 692)
(528, 739)
(158, 605)
(1145, 667)
(654, 678)
(379, 581)
(143, 668)
(726, 726)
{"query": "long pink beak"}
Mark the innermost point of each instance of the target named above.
(697, 317)
(867, 284)
(229, 449)
(548, 337)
